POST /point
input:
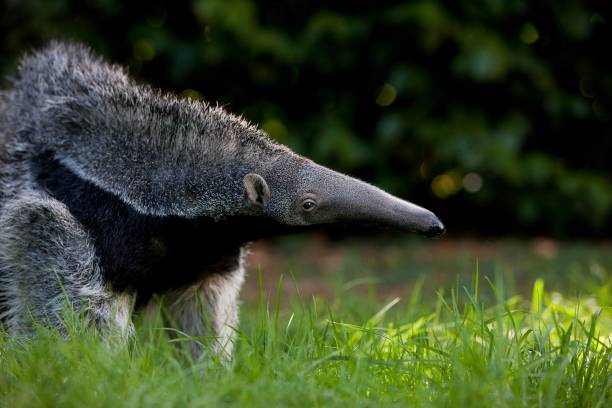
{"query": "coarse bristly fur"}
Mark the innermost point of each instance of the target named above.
(110, 189)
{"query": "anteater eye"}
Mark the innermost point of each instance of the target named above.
(309, 205)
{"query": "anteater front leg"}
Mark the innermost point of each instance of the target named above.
(48, 262)
(209, 309)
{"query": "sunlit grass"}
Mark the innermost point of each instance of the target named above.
(457, 350)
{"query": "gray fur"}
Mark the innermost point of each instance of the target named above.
(169, 156)
(37, 280)
(161, 157)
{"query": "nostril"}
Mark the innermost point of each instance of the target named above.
(437, 229)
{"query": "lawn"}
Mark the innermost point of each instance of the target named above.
(402, 323)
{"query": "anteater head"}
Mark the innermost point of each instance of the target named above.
(298, 192)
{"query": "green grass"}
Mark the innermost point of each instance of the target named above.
(455, 348)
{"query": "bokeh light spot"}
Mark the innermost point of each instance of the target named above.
(144, 50)
(446, 184)
(597, 19)
(276, 129)
(472, 182)
(386, 95)
(529, 34)
(191, 93)
(424, 170)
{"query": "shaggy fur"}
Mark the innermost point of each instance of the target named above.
(110, 189)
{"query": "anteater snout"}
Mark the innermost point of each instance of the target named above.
(436, 229)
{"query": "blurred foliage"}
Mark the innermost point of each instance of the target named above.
(494, 113)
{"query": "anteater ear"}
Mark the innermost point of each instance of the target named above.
(257, 189)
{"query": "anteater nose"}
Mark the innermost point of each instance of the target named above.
(437, 229)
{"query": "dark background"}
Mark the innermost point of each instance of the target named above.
(495, 114)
